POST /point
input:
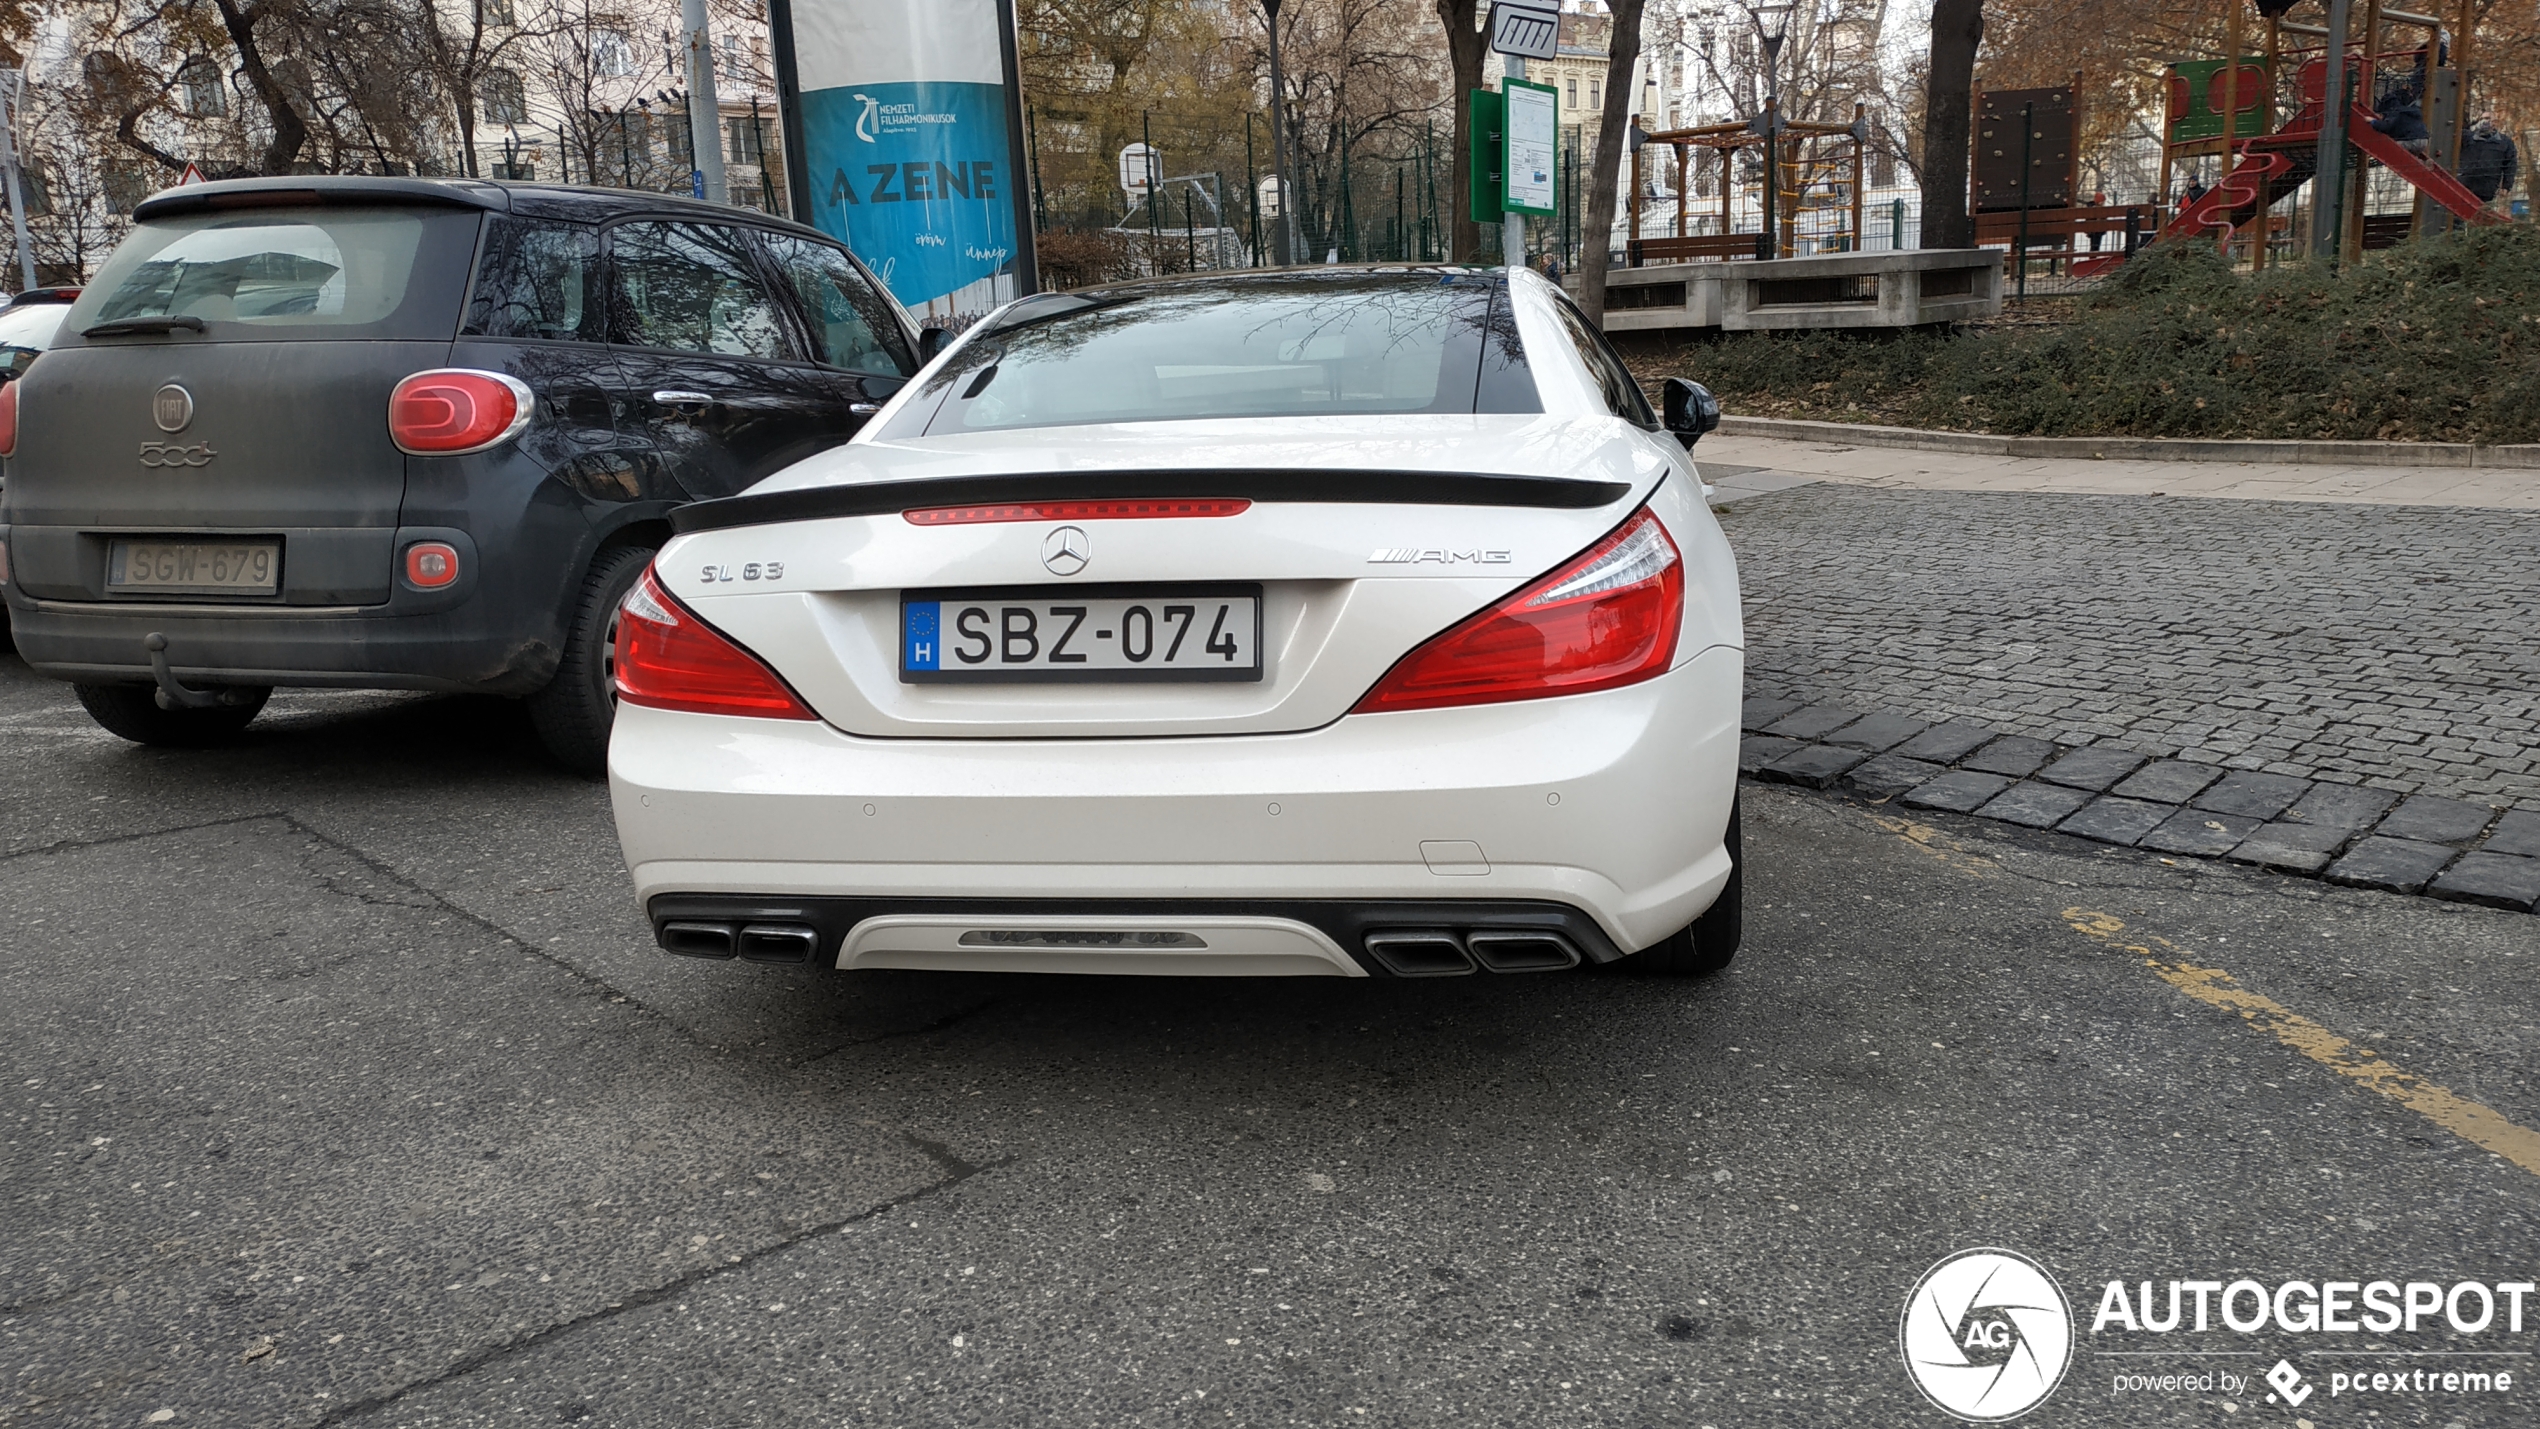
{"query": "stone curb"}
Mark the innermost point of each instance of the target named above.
(2448, 454)
(2344, 833)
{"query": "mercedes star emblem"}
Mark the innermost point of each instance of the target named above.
(1066, 550)
(172, 407)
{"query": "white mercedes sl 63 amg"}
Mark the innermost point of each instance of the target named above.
(1343, 622)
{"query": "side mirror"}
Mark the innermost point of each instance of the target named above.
(1690, 410)
(930, 342)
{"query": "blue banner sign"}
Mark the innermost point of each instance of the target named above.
(903, 136)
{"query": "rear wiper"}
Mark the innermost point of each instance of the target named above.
(129, 327)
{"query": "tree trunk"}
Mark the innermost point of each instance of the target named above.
(289, 130)
(1596, 219)
(1466, 45)
(1957, 27)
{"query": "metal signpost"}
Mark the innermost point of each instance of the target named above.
(12, 92)
(1527, 117)
(705, 115)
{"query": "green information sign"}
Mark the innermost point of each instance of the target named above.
(1486, 156)
(1530, 118)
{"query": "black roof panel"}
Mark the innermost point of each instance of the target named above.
(544, 200)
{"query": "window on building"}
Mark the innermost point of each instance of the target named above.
(612, 53)
(744, 141)
(206, 90)
(1596, 94)
(1572, 98)
(504, 101)
(736, 57)
(495, 12)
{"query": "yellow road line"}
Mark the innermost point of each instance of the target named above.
(2466, 1119)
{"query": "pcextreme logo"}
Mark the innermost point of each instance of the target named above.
(1986, 1335)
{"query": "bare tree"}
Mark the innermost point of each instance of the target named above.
(467, 51)
(1957, 28)
(1621, 56)
(1360, 78)
(1467, 45)
(288, 130)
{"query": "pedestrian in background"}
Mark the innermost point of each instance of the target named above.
(2489, 162)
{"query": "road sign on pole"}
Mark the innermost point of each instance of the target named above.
(1528, 29)
(1531, 122)
(1488, 152)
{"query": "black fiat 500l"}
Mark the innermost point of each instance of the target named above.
(407, 434)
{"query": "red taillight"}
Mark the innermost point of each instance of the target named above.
(1608, 618)
(1078, 510)
(431, 564)
(8, 419)
(671, 660)
(456, 410)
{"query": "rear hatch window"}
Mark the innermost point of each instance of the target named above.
(1272, 345)
(272, 274)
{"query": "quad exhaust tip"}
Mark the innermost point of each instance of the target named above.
(1442, 952)
(751, 942)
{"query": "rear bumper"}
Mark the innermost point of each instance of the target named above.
(465, 639)
(1612, 805)
(350, 649)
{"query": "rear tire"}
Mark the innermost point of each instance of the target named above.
(1709, 943)
(573, 713)
(134, 712)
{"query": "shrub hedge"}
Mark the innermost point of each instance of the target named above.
(2436, 340)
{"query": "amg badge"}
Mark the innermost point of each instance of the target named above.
(1415, 555)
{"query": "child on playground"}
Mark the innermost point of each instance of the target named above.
(2403, 119)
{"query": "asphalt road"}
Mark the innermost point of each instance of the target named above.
(342, 1085)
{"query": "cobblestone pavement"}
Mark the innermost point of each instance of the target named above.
(2390, 646)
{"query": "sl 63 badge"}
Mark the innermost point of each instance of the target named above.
(176, 454)
(753, 571)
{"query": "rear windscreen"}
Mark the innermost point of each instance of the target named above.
(290, 272)
(1274, 345)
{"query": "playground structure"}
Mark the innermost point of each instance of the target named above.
(2263, 167)
(1807, 162)
(2227, 113)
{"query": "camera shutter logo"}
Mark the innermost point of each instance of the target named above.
(1986, 1335)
